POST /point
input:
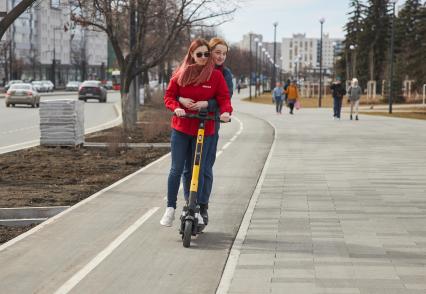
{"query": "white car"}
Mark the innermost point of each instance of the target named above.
(40, 86)
(49, 85)
(22, 94)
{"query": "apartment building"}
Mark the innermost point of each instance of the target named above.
(301, 53)
(44, 44)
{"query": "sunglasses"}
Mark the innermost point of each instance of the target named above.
(200, 54)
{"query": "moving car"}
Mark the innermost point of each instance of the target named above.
(92, 90)
(22, 94)
(72, 86)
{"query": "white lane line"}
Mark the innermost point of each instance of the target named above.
(28, 144)
(23, 145)
(52, 219)
(234, 255)
(19, 130)
(226, 146)
(81, 274)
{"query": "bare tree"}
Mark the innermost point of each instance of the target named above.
(10, 17)
(156, 27)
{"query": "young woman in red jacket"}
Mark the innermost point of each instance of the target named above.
(197, 79)
(219, 49)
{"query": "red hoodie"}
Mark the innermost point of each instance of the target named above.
(215, 87)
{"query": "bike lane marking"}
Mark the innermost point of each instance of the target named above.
(81, 274)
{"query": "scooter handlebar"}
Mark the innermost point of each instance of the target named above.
(205, 117)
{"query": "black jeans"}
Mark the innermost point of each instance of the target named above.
(337, 106)
(291, 105)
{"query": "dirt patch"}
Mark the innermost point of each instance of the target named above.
(8, 233)
(43, 176)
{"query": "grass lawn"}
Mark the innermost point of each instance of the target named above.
(326, 102)
(414, 114)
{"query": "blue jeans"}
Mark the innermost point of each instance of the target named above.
(337, 106)
(209, 155)
(183, 149)
(278, 104)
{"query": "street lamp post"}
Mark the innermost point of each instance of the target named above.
(250, 65)
(393, 2)
(259, 68)
(263, 68)
(352, 48)
(54, 55)
(256, 40)
(275, 53)
(322, 20)
(298, 57)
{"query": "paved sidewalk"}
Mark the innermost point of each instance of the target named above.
(342, 208)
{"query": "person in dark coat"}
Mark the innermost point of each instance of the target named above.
(337, 91)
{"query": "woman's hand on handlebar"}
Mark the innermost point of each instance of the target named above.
(225, 117)
(198, 105)
(186, 102)
(180, 112)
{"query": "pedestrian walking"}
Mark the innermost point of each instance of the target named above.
(197, 79)
(354, 95)
(292, 95)
(287, 83)
(337, 91)
(278, 97)
(238, 87)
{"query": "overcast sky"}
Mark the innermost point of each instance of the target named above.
(293, 16)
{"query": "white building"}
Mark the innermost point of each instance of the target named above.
(42, 41)
(300, 53)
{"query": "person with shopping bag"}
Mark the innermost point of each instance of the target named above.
(292, 95)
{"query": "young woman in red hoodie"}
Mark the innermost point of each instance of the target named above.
(197, 79)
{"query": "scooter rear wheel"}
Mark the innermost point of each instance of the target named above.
(187, 233)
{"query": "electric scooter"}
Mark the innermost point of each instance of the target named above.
(192, 223)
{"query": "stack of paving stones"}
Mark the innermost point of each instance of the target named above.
(61, 123)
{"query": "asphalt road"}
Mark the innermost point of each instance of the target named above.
(19, 126)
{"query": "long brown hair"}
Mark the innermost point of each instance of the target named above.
(191, 73)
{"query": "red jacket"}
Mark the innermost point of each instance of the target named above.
(215, 87)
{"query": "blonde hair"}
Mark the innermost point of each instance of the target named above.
(218, 41)
(354, 82)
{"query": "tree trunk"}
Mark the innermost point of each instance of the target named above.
(129, 108)
(371, 60)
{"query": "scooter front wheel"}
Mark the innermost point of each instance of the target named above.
(187, 233)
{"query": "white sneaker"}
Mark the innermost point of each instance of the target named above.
(168, 217)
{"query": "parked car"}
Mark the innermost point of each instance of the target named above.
(92, 90)
(40, 86)
(72, 86)
(49, 85)
(11, 83)
(22, 94)
(108, 85)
